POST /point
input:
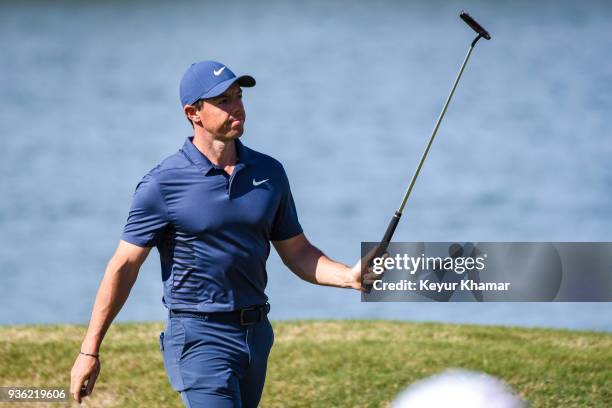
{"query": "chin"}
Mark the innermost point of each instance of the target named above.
(232, 135)
(235, 134)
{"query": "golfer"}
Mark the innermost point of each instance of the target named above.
(211, 209)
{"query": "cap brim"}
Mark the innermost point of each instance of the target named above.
(246, 81)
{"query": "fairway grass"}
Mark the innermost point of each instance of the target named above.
(328, 363)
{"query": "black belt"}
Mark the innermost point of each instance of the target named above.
(246, 316)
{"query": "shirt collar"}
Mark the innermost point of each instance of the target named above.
(204, 164)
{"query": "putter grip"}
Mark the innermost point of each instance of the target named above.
(474, 24)
(384, 244)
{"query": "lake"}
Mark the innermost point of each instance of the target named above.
(347, 94)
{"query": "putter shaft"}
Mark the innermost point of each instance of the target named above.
(435, 131)
(396, 217)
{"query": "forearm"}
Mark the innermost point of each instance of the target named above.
(314, 266)
(114, 289)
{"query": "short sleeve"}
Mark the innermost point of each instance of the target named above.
(286, 224)
(148, 215)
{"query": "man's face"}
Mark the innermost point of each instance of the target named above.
(223, 116)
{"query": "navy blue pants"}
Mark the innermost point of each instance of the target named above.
(214, 364)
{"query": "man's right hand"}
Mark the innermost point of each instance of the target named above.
(114, 289)
(83, 376)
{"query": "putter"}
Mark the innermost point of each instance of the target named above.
(482, 33)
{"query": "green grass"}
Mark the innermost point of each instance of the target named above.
(330, 363)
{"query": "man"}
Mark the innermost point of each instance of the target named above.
(211, 209)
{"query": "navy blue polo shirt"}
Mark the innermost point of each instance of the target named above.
(212, 230)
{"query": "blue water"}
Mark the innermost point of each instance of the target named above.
(347, 95)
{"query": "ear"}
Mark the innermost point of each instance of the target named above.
(191, 113)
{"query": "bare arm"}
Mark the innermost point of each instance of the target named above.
(119, 277)
(312, 265)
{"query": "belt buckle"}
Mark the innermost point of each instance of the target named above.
(249, 309)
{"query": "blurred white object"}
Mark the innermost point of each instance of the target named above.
(458, 389)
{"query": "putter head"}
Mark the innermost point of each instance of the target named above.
(474, 25)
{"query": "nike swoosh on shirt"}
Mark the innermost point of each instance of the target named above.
(218, 72)
(256, 183)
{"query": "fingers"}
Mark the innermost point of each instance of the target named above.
(368, 274)
(369, 266)
(76, 382)
(92, 380)
(363, 271)
(75, 389)
(374, 253)
(84, 369)
(367, 259)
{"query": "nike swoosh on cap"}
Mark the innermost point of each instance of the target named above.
(218, 72)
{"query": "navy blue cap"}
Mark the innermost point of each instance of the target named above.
(207, 79)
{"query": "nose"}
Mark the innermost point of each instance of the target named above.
(238, 108)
